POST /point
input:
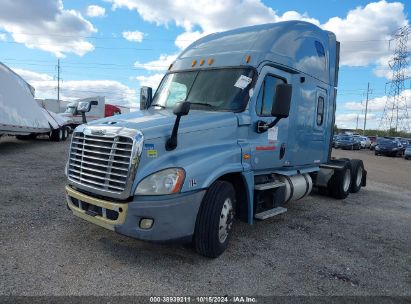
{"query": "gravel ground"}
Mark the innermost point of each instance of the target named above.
(321, 246)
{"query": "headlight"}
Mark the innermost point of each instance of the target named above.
(167, 181)
(377, 148)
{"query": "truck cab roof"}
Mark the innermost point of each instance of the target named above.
(295, 46)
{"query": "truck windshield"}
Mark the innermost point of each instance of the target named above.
(211, 90)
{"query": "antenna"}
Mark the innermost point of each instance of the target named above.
(395, 116)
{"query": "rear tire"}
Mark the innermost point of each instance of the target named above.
(340, 183)
(214, 220)
(56, 134)
(357, 173)
(65, 132)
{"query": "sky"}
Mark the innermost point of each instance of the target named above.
(112, 47)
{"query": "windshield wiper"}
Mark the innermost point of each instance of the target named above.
(158, 105)
(204, 104)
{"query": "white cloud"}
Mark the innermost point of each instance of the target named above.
(365, 31)
(31, 76)
(151, 81)
(114, 91)
(3, 37)
(210, 15)
(185, 39)
(160, 64)
(135, 36)
(349, 121)
(96, 11)
(378, 103)
(374, 113)
(46, 25)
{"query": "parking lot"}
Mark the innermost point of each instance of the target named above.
(321, 246)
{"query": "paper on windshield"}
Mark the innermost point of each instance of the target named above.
(242, 82)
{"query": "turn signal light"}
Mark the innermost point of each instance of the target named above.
(210, 61)
(201, 62)
(247, 58)
(193, 63)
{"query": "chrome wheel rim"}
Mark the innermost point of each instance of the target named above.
(359, 177)
(226, 220)
(347, 179)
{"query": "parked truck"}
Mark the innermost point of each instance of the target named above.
(101, 110)
(240, 126)
(20, 115)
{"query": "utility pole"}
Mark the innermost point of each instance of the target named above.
(356, 126)
(366, 108)
(58, 81)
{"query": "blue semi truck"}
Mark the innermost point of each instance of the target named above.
(240, 126)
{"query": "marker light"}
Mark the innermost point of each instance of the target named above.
(247, 58)
(210, 61)
(201, 62)
(193, 63)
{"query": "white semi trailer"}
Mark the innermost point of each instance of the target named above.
(20, 115)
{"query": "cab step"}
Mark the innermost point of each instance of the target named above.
(267, 186)
(270, 213)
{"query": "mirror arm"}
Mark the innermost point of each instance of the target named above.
(83, 115)
(262, 126)
(171, 143)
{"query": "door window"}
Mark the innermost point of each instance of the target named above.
(267, 94)
(320, 111)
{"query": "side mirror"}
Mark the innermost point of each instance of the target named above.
(282, 102)
(280, 108)
(85, 106)
(180, 109)
(146, 97)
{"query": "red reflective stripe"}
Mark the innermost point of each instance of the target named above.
(266, 148)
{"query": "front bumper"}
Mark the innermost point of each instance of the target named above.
(174, 217)
(387, 152)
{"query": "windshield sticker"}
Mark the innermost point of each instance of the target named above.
(272, 134)
(152, 153)
(242, 82)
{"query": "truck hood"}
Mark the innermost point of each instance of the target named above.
(159, 123)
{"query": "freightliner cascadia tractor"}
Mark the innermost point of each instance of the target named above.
(240, 126)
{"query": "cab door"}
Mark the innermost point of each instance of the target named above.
(268, 149)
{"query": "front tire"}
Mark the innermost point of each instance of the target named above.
(215, 219)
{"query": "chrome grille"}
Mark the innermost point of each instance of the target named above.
(100, 162)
